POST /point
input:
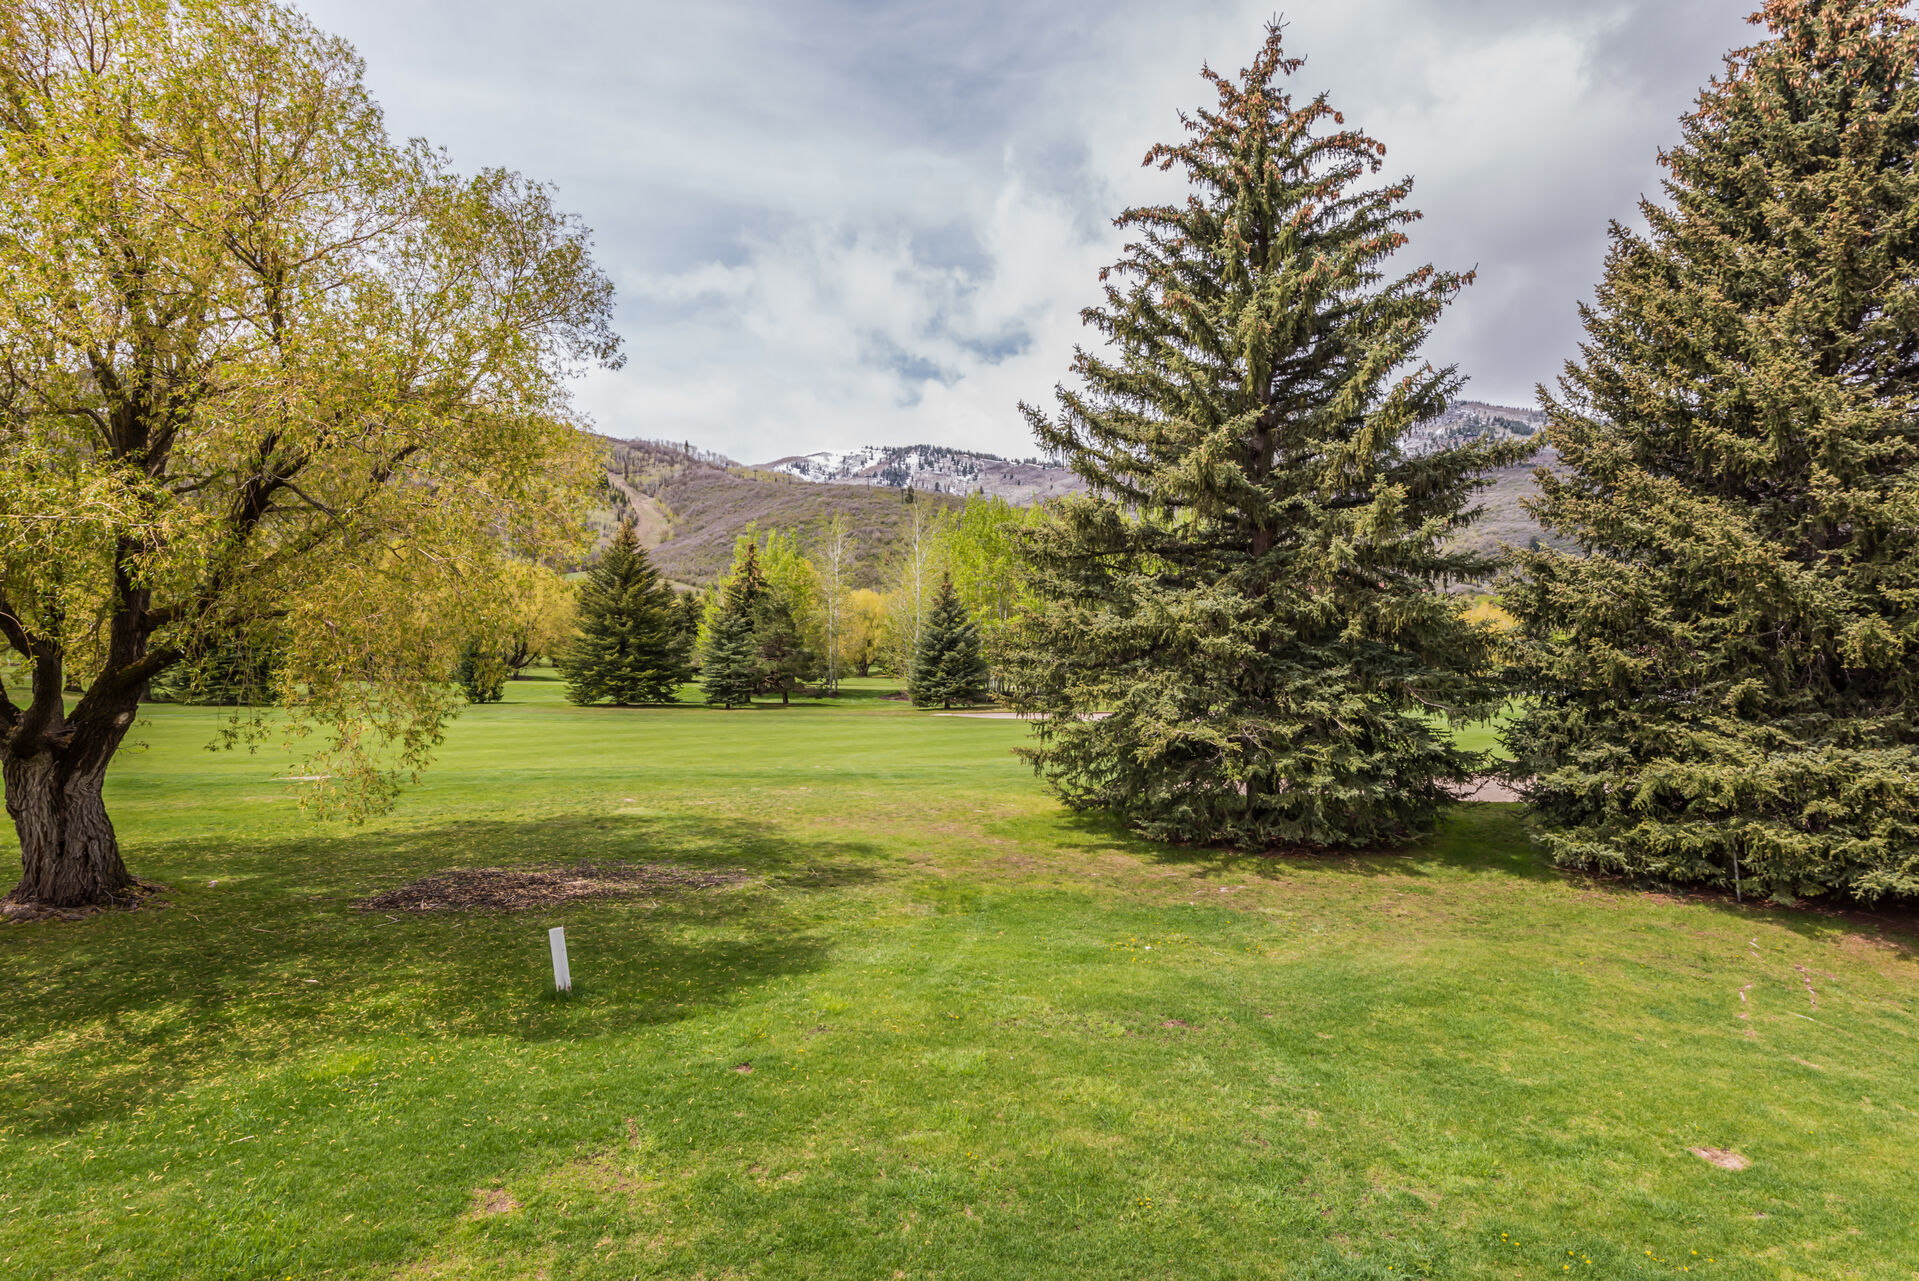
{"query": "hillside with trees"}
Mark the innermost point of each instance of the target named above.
(688, 507)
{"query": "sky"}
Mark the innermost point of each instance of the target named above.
(834, 223)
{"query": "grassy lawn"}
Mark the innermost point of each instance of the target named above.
(986, 1039)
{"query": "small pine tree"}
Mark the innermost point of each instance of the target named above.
(730, 661)
(628, 646)
(948, 667)
(480, 674)
(1725, 682)
(787, 662)
(1252, 591)
(687, 622)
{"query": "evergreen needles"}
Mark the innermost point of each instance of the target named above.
(1726, 685)
(730, 661)
(631, 645)
(948, 667)
(1251, 590)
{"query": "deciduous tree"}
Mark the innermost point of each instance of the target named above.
(540, 611)
(256, 363)
(865, 638)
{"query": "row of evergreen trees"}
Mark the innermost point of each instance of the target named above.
(636, 640)
(755, 645)
(1242, 634)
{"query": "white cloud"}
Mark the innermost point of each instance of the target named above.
(834, 224)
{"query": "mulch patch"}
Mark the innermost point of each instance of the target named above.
(140, 894)
(517, 889)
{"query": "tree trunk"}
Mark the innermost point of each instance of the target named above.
(68, 854)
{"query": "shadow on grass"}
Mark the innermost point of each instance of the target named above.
(1490, 839)
(272, 959)
(1475, 837)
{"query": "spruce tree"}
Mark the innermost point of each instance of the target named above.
(480, 673)
(730, 660)
(1252, 588)
(627, 648)
(948, 667)
(223, 671)
(786, 661)
(687, 625)
(1726, 685)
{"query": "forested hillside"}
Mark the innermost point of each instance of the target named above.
(689, 506)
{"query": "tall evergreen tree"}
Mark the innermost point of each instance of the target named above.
(628, 648)
(948, 667)
(730, 660)
(1251, 589)
(1726, 683)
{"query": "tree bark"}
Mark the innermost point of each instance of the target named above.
(69, 856)
(54, 774)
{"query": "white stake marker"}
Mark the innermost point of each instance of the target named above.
(562, 976)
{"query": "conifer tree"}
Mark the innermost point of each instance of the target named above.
(691, 605)
(948, 667)
(787, 662)
(480, 673)
(1251, 589)
(1727, 681)
(628, 647)
(730, 660)
(228, 671)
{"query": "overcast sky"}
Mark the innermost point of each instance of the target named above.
(836, 222)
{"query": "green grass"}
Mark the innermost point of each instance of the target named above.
(988, 1039)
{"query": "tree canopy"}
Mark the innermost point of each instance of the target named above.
(257, 361)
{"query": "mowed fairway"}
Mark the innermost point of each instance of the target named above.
(986, 1039)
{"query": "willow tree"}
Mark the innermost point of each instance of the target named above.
(1252, 589)
(1728, 679)
(257, 363)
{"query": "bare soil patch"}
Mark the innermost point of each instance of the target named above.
(491, 1201)
(1489, 788)
(517, 889)
(1720, 1157)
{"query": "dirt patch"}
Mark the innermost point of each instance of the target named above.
(517, 889)
(1720, 1157)
(1488, 788)
(490, 1201)
(140, 894)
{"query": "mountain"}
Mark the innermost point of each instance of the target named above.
(944, 470)
(1466, 420)
(932, 468)
(689, 505)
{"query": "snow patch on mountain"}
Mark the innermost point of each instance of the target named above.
(936, 468)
